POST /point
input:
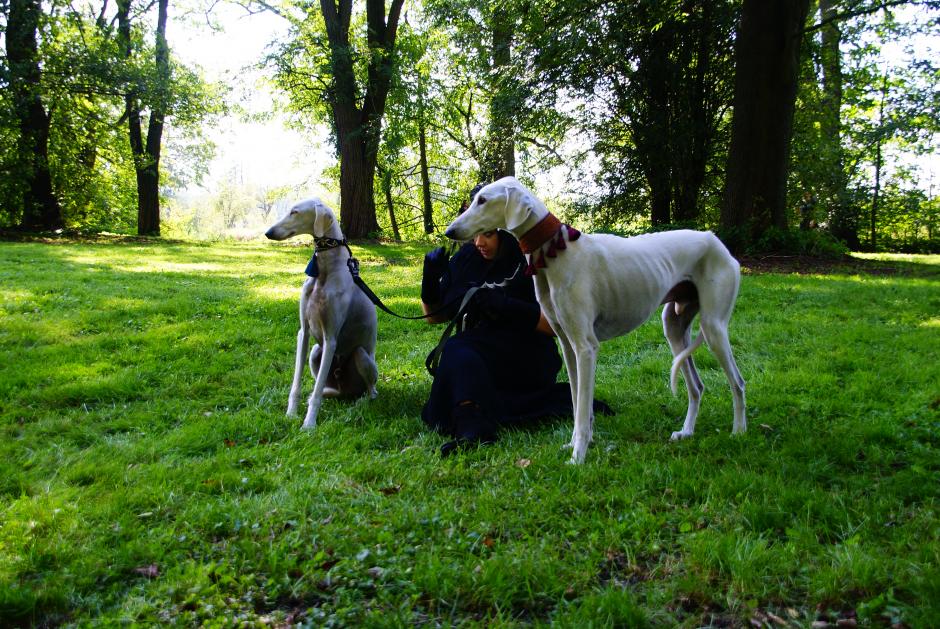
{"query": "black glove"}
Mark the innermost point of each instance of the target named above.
(435, 265)
(516, 314)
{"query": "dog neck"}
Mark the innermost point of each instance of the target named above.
(545, 240)
(540, 233)
(325, 243)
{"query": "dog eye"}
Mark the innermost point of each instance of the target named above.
(481, 200)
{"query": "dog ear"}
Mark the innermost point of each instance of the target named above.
(519, 212)
(323, 222)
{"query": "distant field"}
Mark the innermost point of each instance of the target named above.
(148, 474)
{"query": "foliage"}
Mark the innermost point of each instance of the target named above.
(876, 70)
(85, 78)
(148, 475)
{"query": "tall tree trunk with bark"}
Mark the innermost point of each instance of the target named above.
(386, 177)
(428, 208)
(652, 122)
(41, 209)
(146, 152)
(499, 154)
(767, 51)
(358, 129)
(843, 221)
(692, 161)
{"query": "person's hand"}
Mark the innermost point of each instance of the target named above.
(435, 265)
(494, 304)
(489, 303)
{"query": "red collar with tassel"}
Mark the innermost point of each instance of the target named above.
(548, 231)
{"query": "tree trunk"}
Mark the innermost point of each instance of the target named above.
(878, 160)
(358, 129)
(147, 153)
(425, 176)
(651, 126)
(843, 224)
(693, 161)
(148, 205)
(386, 177)
(767, 50)
(41, 209)
(499, 155)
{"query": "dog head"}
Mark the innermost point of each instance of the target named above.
(311, 216)
(503, 204)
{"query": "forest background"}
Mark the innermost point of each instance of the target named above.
(790, 125)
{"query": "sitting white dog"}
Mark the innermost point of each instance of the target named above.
(595, 287)
(334, 311)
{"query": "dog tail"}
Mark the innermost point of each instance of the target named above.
(681, 356)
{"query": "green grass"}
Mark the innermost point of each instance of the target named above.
(149, 476)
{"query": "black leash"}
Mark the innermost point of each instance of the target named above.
(323, 244)
(434, 358)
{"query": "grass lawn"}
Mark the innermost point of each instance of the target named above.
(148, 474)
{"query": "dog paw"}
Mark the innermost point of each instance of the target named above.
(373, 393)
(577, 458)
(680, 434)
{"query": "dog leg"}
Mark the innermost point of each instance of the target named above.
(571, 366)
(586, 359)
(677, 328)
(328, 349)
(368, 371)
(716, 333)
(300, 359)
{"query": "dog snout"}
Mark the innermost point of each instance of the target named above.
(270, 234)
(452, 233)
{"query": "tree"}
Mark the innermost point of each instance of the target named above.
(767, 56)
(654, 80)
(41, 209)
(146, 152)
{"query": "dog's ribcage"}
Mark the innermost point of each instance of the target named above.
(624, 278)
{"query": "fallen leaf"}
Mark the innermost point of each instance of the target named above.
(151, 571)
(376, 572)
(145, 514)
(488, 541)
(766, 427)
(388, 491)
(523, 463)
(229, 443)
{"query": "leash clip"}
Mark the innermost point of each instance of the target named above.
(353, 265)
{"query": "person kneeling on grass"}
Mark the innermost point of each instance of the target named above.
(500, 370)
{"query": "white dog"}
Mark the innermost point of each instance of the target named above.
(334, 311)
(595, 287)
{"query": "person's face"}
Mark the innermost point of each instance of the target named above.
(487, 244)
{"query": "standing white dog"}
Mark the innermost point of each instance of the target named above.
(595, 287)
(334, 311)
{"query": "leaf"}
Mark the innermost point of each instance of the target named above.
(228, 442)
(523, 463)
(151, 571)
(389, 491)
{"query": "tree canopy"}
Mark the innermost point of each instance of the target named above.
(788, 123)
